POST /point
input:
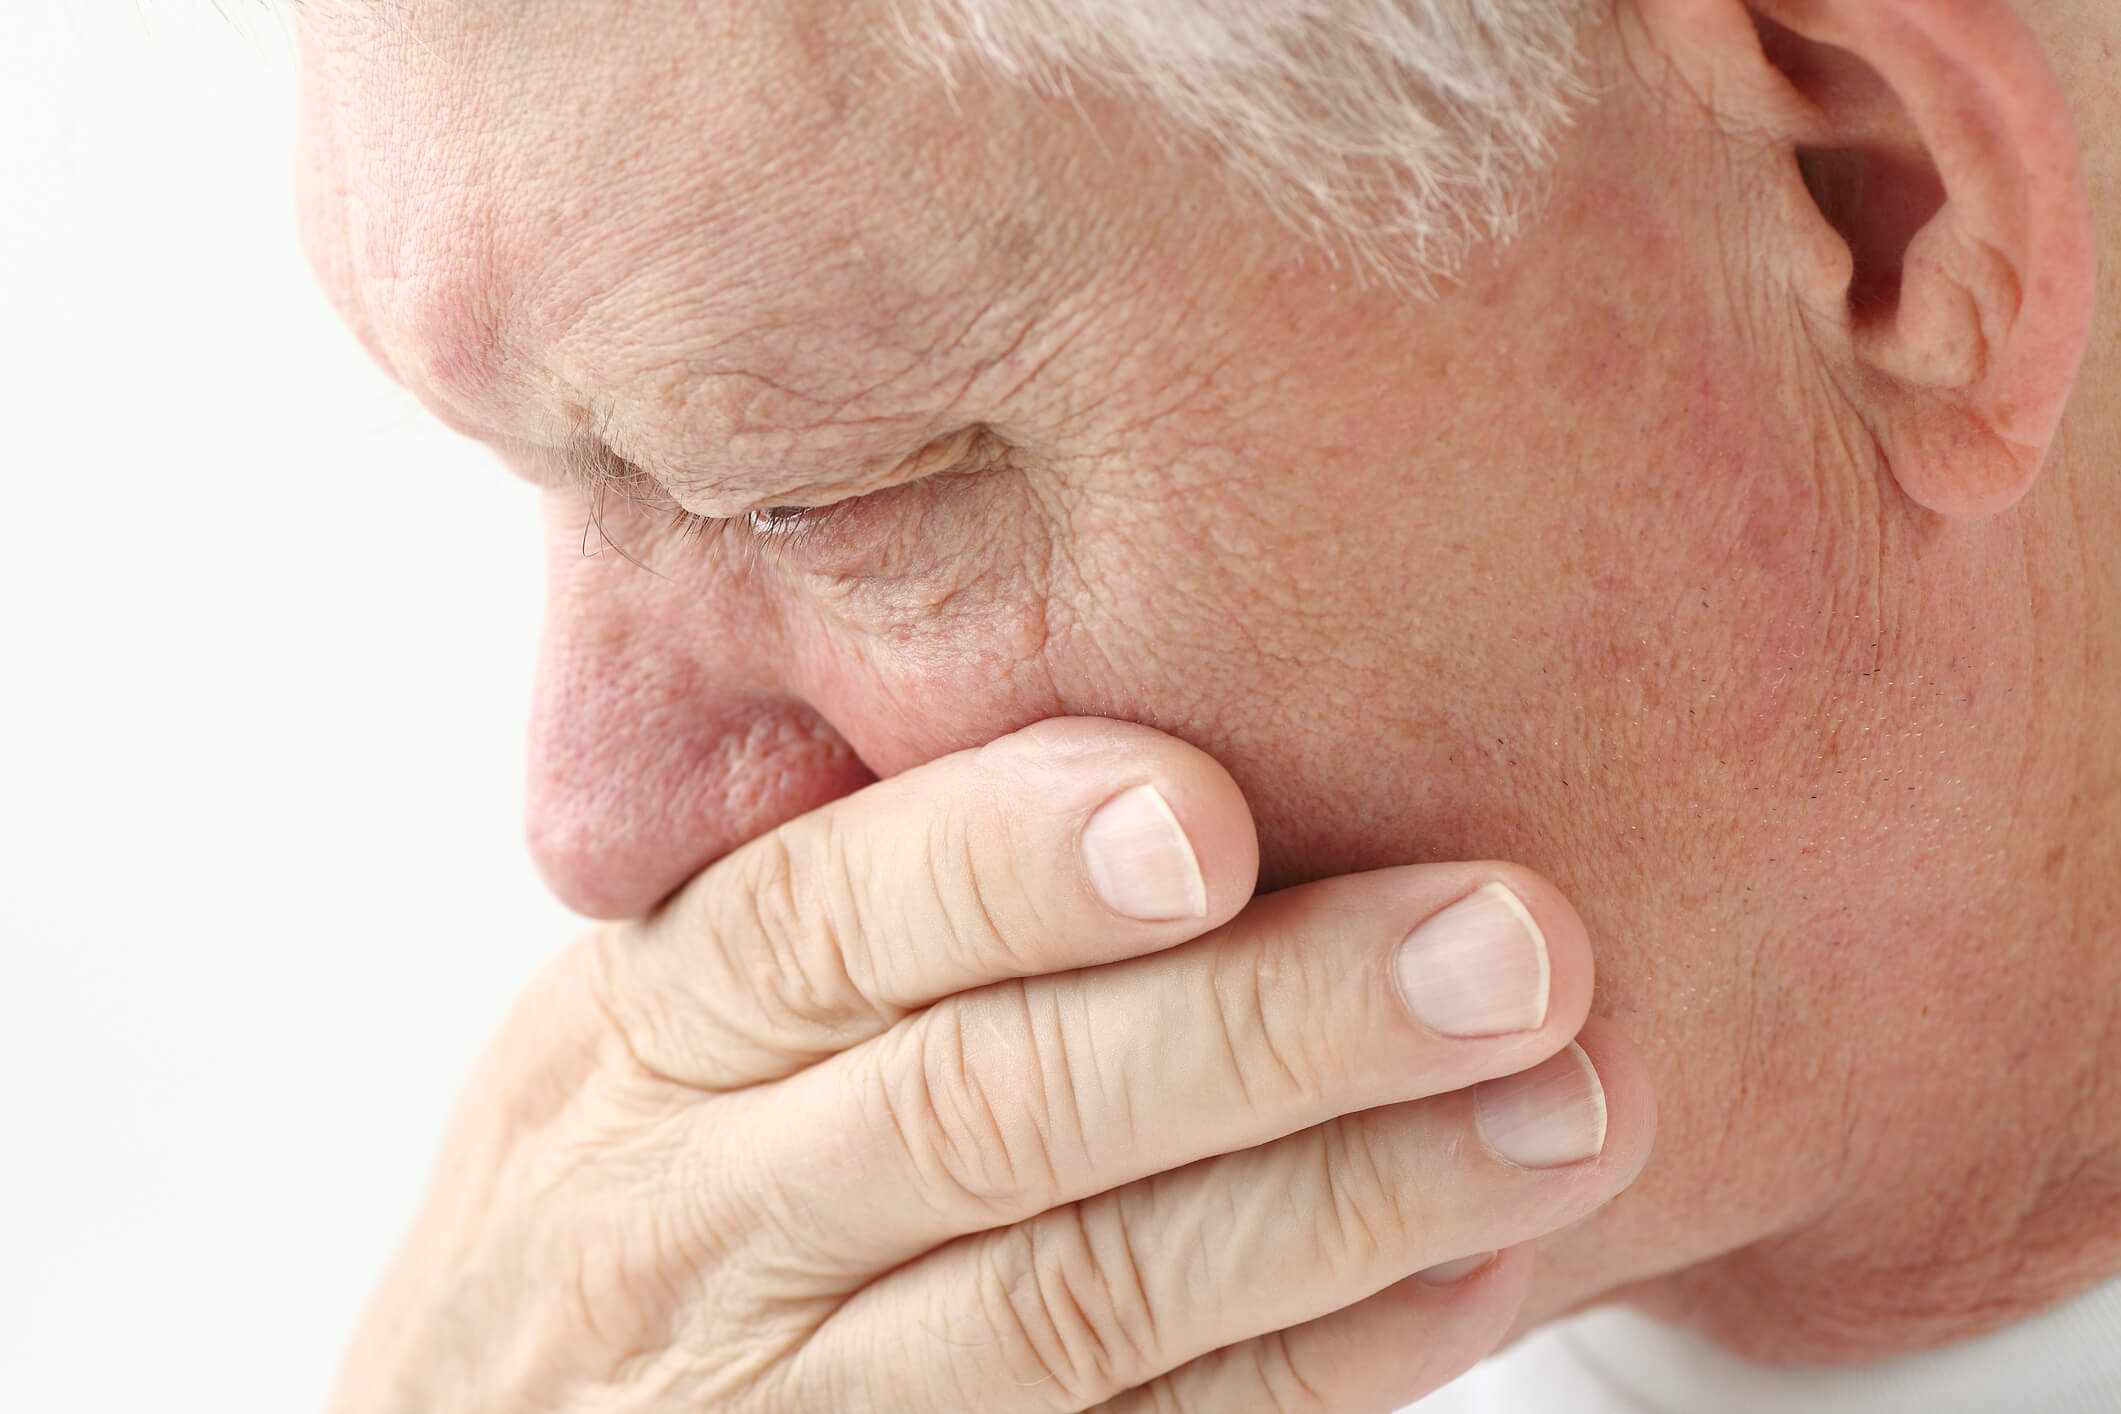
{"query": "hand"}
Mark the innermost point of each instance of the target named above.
(984, 1089)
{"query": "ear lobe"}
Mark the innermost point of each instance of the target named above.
(1936, 144)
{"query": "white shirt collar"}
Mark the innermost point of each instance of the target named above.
(2063, 1361)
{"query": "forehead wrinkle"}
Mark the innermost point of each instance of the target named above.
(937, 368)
(803, 404)
(723, 359)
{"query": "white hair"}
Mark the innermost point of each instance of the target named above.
(1409, 129)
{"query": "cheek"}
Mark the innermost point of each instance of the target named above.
(1780, 703)
(900, 703)
(1701, 613)
(951, 655)
(1125, 602)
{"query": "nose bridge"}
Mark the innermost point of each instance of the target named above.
(663, 732)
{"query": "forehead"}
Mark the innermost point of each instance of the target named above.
(709, 228)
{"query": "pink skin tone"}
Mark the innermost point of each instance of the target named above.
(1626, 559)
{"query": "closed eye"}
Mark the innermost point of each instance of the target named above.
(780, 520)
(784, 526)
(816, 533)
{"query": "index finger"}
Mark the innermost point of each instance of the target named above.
(1071, 843)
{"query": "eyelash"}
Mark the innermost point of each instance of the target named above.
(789, 526)
(786, 525)
(786, 520)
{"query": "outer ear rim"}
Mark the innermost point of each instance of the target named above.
(2024, 271)
(1964, 386)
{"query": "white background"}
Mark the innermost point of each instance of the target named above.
(266, 634)
(265, 644)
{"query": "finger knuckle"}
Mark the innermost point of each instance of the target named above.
(991, 914)
(1067, 1298)
(978, 1115)
(1068, 1095)
(1263, 996)
(571, 1032)
(1279, 1376)
(640, 1032)
(622, 1297)
(794, 909)
(637, 1305)
(1365, 1217)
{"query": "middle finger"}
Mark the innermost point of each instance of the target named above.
(1318, 1001)
(1080, 1304)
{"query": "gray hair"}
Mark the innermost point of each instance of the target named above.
(1407, 129)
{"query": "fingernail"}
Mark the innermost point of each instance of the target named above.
(1444, 1273)
(1139, 859)
(1548, 1116)
(1478, 968)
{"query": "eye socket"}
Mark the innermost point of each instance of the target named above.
(812, 529)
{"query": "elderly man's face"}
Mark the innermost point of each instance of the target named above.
(1576, 565)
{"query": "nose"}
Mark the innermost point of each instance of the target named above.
(661, 734)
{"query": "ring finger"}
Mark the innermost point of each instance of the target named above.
(1081, 1304)
(1318, 1001)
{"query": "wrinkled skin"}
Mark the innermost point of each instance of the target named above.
(1589, 563)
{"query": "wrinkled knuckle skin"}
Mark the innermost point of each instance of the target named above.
(1066, 1301)
(639, 1033)
(962, 1113)
(569, 1035)
(1282, 1383)
(573, 1254)
(978, 880)
(1365, 1219)
(622, 1301)
(797, 906)
(628, 1309)
(1263, 996)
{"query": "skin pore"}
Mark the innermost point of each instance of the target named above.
(1591, 563)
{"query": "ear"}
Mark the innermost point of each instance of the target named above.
(1940, 224)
